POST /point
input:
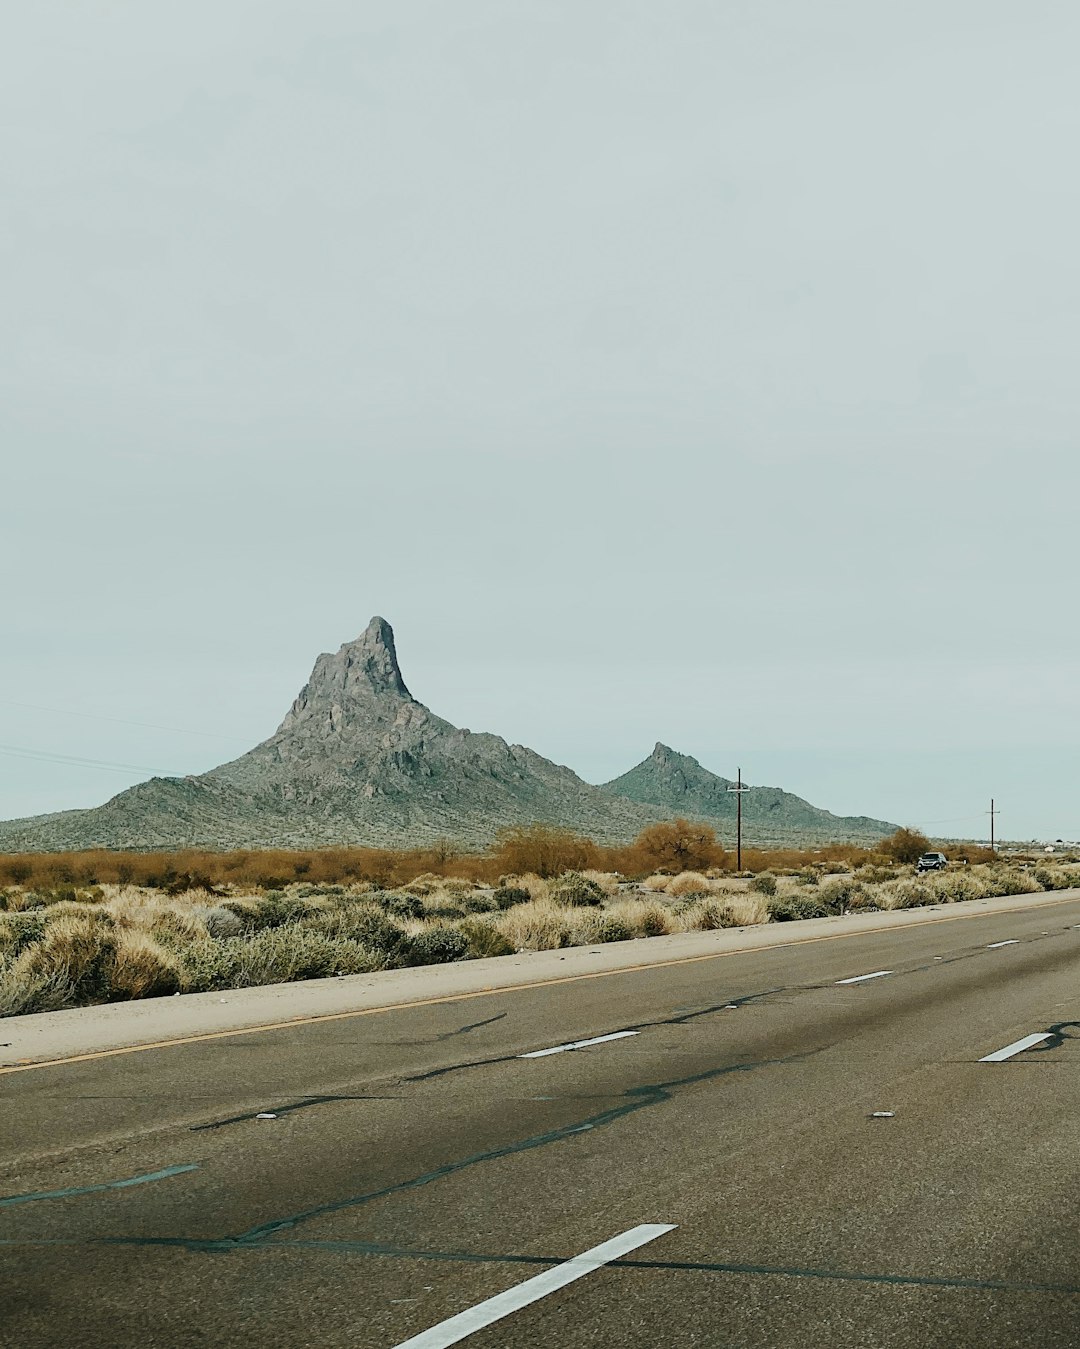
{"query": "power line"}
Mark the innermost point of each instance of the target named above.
(119, 721)
(75, 761)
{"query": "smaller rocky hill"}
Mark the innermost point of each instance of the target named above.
(679, 785)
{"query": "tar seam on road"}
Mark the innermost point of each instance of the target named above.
(285, 1110)
(293, 1022)
(366, 1248)
(493, 1309)
(346, 1247)
(96, 1189)
(634, 1099)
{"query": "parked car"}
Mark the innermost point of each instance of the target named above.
(932, 861)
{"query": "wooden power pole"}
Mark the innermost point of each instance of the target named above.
(738, 789)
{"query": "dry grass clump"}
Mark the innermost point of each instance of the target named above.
(644, 917)
(658, 882)
(608, 881)
(537, 886)
(704, 915)
(540, 925)
(688, 883)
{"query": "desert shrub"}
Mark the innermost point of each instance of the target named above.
(765, 884)
(402, 905)
(318, 891)
(657, 882)
(791, 908)
(676, 845)
(506, 896)
(543, 850)
(744, 910)
(687, 883)
(220, 922)
(207, 966)
(908, 895)
(1001, 881)
(574, 890)
(23, 991)
(538, 926)
(590, 928)
(18, 931)
(479, 902)
(423, 885)
(142, 968)
(281, 954)
(191, 880)
(368, 927)
(649, 920)
(809, 877)
(77, 948)
(271, 910)
(905, 845)
(952, 888)
(1057, 877)
(606, 880)
(707, 915)
(876, 875)
(484, 939)
(171, 926)
(840, 896)
(437, 946)
(833, 867)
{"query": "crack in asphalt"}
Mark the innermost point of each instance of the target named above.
(285, 1110)
(680, 1019)
(376, 1248)
(691, 1266)
(635, 1099)
(473, 1025)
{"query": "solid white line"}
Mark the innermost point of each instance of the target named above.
(1000, 1055)
(578, 1044)
(995, 944)
(859, 978)
(502, 1304)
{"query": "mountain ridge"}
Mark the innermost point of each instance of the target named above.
(357, 760)
(680, 785)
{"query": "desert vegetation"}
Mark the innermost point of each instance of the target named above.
(80, 929)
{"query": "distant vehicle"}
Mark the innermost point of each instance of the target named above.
(932, 861)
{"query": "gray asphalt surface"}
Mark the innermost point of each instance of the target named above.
(416, 1166)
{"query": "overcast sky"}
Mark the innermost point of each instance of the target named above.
(703, 372)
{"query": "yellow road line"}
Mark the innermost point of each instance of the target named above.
(509, 988)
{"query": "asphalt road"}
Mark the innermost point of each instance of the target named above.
(417, 1166)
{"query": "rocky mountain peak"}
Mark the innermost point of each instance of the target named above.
(362, 672)
(373, 658)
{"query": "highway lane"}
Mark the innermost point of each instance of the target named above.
(418, 1166)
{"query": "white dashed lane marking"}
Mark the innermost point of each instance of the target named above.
(861, 978)
(1017, 1047)
(532, 1290)
(578, 1044)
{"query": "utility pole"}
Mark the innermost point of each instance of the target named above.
(738, 789)
(992, 812)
